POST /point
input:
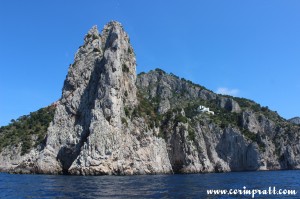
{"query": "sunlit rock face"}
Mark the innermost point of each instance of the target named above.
(109, 121)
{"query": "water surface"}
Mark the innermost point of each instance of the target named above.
(149, 186)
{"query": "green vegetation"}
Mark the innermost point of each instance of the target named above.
(246, 103)
(180, 118)
(174, 76)
(93, 36)
(192, 83)
(191, 134)
(130, 50)
(25, 128)
(125, 68)
(141, 73)
(262, 146)
(126, 93)
(127, 112)
(257, 108)
(251, 136)
(225, 118)
(124, 121)
(160, 71)
(182, 99)
(147, 110)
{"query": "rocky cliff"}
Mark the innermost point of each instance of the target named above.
(295, 120)
(111, 121)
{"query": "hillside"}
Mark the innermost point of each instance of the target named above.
(295, 120)
(111, 121)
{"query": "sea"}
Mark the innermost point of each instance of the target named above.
(271, 184)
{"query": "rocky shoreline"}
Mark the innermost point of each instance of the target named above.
(109, 121)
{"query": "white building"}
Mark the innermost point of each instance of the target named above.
(203, 109)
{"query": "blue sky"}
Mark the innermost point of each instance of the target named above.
(248, 49)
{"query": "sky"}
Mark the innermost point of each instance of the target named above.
(247, 49)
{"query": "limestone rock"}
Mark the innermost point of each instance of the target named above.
(109, 121)
(295, 120)
(88, 135)
(229, 104)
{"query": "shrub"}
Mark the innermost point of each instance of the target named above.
(141, 73)
(160, 71)
(130, 50)
(180, 118)
(124, 121)
(22, 130)
(127, 113)
(191, 134)
(249, 135)
(125, 68)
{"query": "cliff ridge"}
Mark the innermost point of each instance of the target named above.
(110, 121)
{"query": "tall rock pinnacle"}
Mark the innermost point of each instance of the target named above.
(91, 132)
(99, 84)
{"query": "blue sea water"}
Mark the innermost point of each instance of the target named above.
(148, 186)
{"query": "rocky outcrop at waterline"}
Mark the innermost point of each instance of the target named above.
(110, 121)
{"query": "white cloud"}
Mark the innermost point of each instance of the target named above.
(227, 91)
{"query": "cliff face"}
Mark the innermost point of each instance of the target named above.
(241, 135)
(91, 133)
(110, 121)
(295, 120)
